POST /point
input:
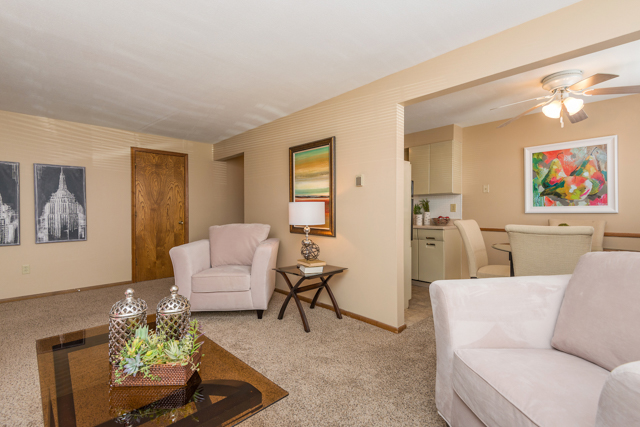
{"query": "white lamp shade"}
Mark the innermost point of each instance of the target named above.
(306, 213)
(573, 105)
(553, 110)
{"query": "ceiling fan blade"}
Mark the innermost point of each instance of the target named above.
(576, 117)
(522, 114)
(591, 81)
(622, 90)
(520, 102)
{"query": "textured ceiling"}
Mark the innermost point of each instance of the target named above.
(208, 70)
(473, 106)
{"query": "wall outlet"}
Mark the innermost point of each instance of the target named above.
(453, 207)
(26, 269)
(485, 188)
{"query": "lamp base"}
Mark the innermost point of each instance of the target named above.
(309, 250)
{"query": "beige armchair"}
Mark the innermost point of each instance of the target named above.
(598, 230)
(477, 252)
(540, 250)
(232, 270)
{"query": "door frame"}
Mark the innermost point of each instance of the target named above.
(134, 150)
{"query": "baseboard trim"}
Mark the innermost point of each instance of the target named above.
(350, 314)
(66, 291)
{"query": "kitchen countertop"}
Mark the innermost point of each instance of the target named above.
(449, 226)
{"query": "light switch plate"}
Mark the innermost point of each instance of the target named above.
(485, 188)
(453, 207)
(359, 180)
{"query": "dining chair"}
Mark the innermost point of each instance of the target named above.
(598, 230)
(539, 250)
(477, 252)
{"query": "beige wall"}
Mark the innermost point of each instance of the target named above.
(495, 157)
(106, 255)
(368, 125)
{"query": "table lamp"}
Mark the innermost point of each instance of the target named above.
(306, 214)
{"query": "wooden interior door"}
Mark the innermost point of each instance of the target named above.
(160, 214)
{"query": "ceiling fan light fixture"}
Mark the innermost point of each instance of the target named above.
(573, 105)
(553, 109)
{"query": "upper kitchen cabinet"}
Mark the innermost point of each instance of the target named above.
(436, 168)
(420, 159)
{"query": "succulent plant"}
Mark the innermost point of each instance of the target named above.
(133, 365)
(173, 351)
(147, 348)
(143, 333)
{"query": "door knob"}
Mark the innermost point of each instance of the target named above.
(180, 222)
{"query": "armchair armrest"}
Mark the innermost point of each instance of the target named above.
(188, 260)
(513, 312)
(618, 405)
(263, 278)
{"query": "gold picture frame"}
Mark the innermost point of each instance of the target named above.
(312, 177)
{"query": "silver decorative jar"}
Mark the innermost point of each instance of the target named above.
(125, 317)
(173, 315)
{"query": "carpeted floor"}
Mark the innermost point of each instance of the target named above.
(343, 373)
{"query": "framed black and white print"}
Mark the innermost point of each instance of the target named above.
(9, 203)
(60, 203)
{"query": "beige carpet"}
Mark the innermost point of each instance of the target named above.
(343, 373)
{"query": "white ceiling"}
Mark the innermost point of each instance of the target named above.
(208, 70)
(473, 106)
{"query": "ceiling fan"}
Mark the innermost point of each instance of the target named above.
(564, 87)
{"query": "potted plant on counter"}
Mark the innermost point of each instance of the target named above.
(417, 216)
(426, 216)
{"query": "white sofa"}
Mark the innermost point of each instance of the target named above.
(232, 270)
(497, 341)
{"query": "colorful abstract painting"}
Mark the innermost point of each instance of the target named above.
(574, 177)
(312, 179)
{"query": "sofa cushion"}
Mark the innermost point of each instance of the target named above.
(528, 387)
(600, 312)
(228, 278)
(235, 244)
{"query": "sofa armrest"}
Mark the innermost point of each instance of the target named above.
(188, 260)
(511, 312)
(618, 405)
(263, 278)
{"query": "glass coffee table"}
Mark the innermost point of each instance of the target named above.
(74, 382)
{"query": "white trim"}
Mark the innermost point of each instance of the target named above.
(612, 176)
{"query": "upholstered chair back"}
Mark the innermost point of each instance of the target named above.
(598, 230)
(473, 245)
(235, 244)
(543, 250)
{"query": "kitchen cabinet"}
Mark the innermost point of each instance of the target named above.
(436, 168)
(438, 253)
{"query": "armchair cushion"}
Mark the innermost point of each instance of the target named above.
(227, 278)
(235, 244)
(528, 387)
(600, 314)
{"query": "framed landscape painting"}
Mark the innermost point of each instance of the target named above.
(60, 203)
(572, 177)
(9, 203)
(312, 178)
